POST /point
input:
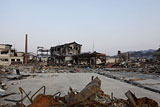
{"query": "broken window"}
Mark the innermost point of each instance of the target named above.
(13, 60)
(58, 49)
(18, 60)
(5, 60)
(12, 50)
(4, 52)
(15, 54)
(70, 48)
(76, 48)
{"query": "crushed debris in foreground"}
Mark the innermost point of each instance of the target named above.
(90, 96)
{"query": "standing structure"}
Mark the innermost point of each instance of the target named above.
(10, 56)
(26, 48)
(123, 56)
(62, 54)
(43, 55)
(93, 59)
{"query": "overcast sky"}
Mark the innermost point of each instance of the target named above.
(112, 25)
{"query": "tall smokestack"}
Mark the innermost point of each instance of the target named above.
(26, 50)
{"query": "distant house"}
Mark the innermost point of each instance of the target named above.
(5, 53)
(123, 56)
(156, 55)
(10, 56)
(62, 54)
(17, 57)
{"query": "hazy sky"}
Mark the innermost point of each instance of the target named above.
(111, 24)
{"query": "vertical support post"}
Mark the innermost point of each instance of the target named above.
(26, 50)
(95, 60)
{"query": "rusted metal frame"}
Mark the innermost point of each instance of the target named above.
(38, 91)
(7, 95)
(17, 101)
(22, 91)
(57, 94)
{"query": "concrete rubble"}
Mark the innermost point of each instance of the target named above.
(91, 96)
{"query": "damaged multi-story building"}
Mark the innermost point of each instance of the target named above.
(10, 56)
(63, 54)
(70, 54)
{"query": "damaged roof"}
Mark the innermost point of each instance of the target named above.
(66, 44)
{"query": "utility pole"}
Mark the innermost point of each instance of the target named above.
(93, 46)
(26, 50)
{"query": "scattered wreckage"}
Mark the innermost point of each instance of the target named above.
(91, 96)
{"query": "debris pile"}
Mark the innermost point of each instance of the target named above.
(91, 96)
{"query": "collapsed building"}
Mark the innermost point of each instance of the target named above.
(120, 60)
(32, 57)
(10, 56)
(123, 56)
(70, 54)
(62, 54)
(90, 59)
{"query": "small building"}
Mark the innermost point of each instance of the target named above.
(17, 57)
(62, 54)
(123, 57)
(10, 56)
(5, 53)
